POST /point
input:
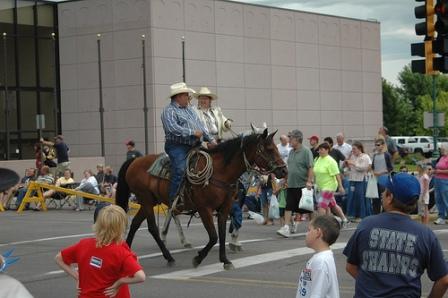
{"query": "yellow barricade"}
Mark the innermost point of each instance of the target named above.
(34, 194)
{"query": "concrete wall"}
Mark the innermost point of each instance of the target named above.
(291, 69)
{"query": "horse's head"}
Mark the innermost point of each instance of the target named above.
(266, 156)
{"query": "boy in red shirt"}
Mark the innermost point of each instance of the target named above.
(106, 264)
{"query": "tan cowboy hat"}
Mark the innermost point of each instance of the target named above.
(204, 91)
(178, 88)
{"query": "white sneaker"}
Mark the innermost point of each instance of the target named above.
(439, 221)
(345, 223)
(284, 231)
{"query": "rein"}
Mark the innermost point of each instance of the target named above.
(260, 153)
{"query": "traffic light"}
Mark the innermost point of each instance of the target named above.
(427, 12)
(440, 45)
(441, 26)
(426, 28)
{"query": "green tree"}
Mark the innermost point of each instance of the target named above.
(414, 94)
(390, 107)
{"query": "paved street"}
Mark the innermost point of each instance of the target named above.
(267, 267)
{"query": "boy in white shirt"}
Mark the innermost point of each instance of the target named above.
(319, 277)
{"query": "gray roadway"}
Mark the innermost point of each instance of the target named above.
(38, 236)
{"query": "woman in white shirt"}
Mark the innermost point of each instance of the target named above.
(89, 185)
(212, 116)
(358, 164)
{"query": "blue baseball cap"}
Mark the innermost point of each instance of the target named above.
(403, 186)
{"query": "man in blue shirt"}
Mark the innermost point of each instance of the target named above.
(389, 252)
(183, 129)
(62, 151)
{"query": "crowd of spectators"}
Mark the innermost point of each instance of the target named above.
(52, 167)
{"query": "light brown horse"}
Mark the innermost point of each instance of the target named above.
(230, 159)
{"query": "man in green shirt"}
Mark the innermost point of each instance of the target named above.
(300, 175)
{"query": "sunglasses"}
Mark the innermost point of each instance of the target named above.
(378, 144)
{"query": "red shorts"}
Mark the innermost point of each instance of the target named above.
(326, 199)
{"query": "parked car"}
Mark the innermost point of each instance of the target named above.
(442, 141)
(416, 144)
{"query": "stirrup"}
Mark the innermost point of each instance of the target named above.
(176, 206)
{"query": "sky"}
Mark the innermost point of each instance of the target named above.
(396, 17)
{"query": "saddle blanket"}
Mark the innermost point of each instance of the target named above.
(161, 167)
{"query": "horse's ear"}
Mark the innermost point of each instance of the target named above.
(272, 134)
(265, 133)
(254, 128)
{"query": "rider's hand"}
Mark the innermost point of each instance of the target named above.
(198, 134)
(228, 123)
(212, 145)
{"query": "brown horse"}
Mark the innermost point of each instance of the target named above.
(230, 160)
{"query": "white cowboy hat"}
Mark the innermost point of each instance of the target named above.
(204, 91)
(178, 88)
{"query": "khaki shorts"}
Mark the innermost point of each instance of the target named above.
(61, 168)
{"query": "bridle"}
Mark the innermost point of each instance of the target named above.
(261, 157)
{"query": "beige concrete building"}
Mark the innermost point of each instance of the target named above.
(290, 69)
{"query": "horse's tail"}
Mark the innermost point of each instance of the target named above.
(123, 191)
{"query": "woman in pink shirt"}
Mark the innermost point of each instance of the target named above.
(441, 185)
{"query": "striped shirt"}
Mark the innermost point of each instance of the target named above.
(180, 123)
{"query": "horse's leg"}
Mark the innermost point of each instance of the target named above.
(207, 221)
(222, 219)
(180, 232)
(166, 225)
(154, 230)
(135, 224)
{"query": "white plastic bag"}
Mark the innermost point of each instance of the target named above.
(259, 219)
(306, 201)
(372, 188)
(274, 211)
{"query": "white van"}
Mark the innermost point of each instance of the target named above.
(416, 144)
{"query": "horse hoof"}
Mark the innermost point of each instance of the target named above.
(188, 245)
(196, 262)
(229, 266)
(234, 247)
(171, 263)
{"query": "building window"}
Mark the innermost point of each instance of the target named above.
(28, 76)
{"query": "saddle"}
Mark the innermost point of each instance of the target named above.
(161, 167)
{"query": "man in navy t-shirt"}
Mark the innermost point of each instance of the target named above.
(389, 252)
(62, 150)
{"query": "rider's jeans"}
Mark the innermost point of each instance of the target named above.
(178, 154)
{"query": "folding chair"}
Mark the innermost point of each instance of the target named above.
(62, 197)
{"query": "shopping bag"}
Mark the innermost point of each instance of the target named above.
(274, 212)
(259, 219)
(372, 188)
(306, 202)
(282, 198)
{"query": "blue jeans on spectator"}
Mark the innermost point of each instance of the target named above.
(341, 200)
(441, 196)
(178, 155)
(236, 215)
(357, 204)
(265, 196)
(20, 195)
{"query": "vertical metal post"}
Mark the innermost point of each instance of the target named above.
(145, 103)
(435, 128)
(183, 60)
(5, 74)
(100, 82)
(55, 90)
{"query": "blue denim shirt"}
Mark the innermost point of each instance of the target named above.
(180, 123)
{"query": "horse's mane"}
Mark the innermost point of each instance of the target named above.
(232, 146)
